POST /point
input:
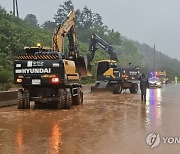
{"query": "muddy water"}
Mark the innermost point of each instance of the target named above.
(105, 124)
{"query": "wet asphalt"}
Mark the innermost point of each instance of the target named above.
(104, 124)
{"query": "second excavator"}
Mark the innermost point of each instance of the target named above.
(109, 76)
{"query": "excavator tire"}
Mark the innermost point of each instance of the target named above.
(68, 100)
(37, 102)
(20, 101)
(26, 100)
(78, 99)
(117, 89)
(82, 97)
(134, 88)
(62, 100)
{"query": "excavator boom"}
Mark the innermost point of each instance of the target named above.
(67, 28)
(97, 40)
(62, 30)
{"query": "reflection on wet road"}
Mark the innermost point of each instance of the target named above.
(153, 107)
(105, 124)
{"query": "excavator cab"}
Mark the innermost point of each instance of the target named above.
(105, 69)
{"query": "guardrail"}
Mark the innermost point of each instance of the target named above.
(8, 98)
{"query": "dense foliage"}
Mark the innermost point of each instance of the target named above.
(87, 23)
(31, 20)
(16, 33)
(162, 61)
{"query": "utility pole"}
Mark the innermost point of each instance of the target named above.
(154, 58)
(160, 62)
(15, 8)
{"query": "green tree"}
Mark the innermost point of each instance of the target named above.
(87, 16)
(88, 19)
(63, 11)
(31, 20)
(15, 35)
(97, 19)
(49, 25)
(129, 53)
(79, 19)
(114, 37)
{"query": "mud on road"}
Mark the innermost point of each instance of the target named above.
(105, 123)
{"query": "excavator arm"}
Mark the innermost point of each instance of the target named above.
(97, 40)
(67, 28)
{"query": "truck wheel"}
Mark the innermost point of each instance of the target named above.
(134, 88)
(78, 99)
(82, 97)
(117, 89)
(62, 99)
(37, 102)
(61, 102)
(26, 100)
(68, 100)
(20, 101)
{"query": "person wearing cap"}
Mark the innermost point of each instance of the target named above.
(144, 84)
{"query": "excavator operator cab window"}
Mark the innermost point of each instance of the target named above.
(102, 68)
(113, 65)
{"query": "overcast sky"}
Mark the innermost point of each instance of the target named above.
(149, 21)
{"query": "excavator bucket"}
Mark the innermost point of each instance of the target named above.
(82, 68)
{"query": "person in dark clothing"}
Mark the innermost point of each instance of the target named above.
(144, 84)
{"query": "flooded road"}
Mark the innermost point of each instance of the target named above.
(104, 124)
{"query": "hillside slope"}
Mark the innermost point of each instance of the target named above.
(162, 61)
(14, 35)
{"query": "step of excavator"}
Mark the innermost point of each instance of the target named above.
(101, 86)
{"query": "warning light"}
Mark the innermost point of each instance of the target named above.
(38, 45)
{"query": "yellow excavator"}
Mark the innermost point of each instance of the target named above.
(47, 75)
(109, 76)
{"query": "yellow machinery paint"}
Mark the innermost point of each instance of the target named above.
(70, 70)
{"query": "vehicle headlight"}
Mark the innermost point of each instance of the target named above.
(158, 83)
(151, 82)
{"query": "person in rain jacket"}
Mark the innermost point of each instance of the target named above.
(144, 84)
